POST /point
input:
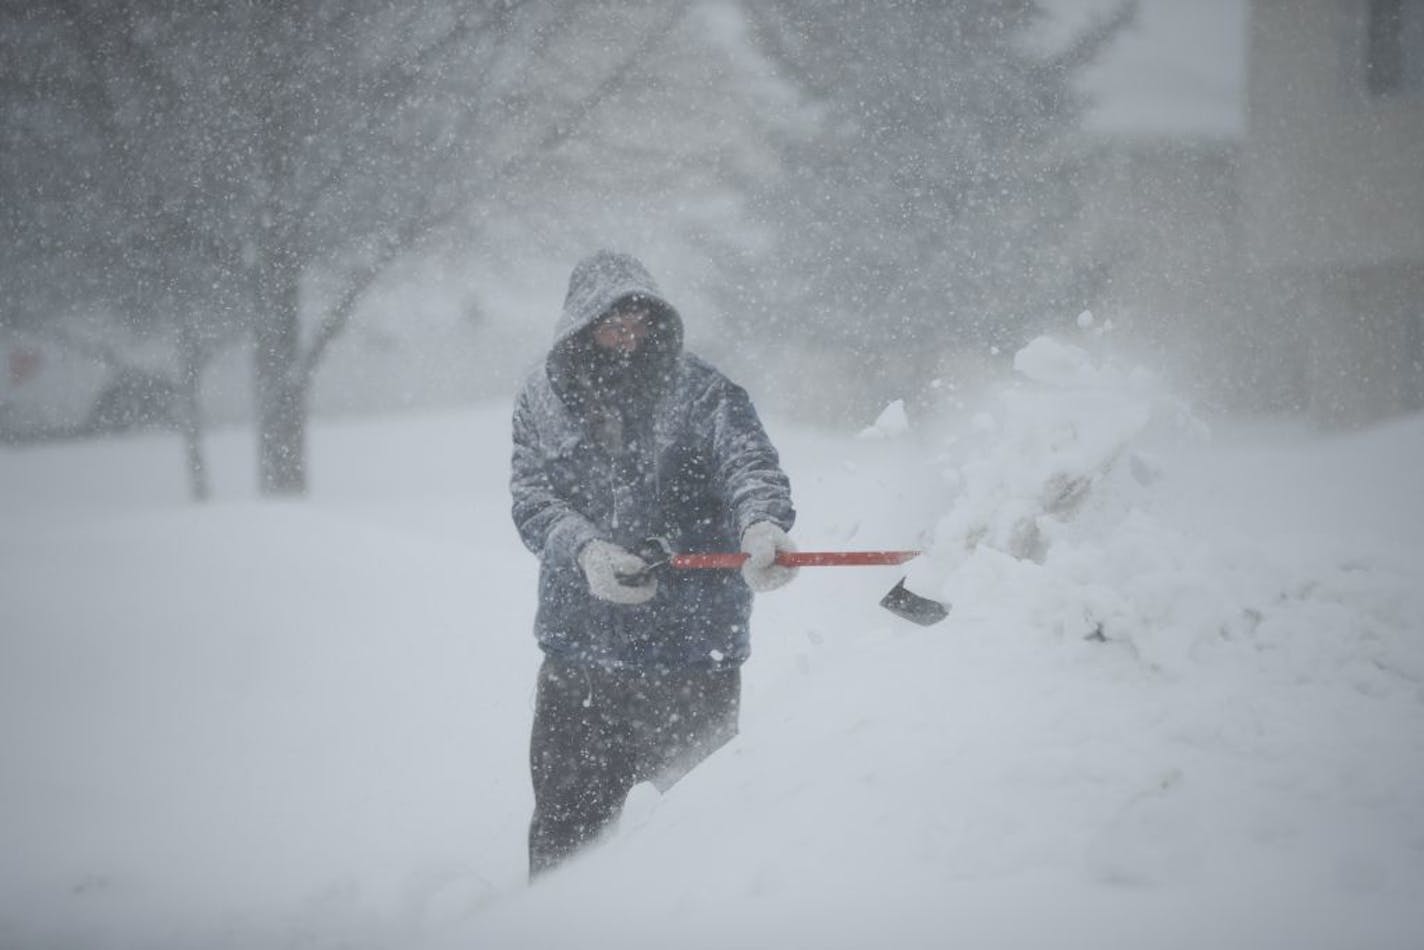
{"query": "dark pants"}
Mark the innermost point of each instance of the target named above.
(597, 733)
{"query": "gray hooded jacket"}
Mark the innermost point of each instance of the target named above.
(660, 446)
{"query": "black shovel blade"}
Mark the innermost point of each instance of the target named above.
(902, 602)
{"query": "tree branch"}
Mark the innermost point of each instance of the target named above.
(1086, 46)
(338, 315)
(561, 132)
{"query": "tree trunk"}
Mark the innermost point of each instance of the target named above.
(199, 488)
(281, 386)
(190, 420)
(282, 468)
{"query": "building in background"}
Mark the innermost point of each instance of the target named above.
(1254, 184)
(1162, 219)
(1160, 157)
(1333, 199)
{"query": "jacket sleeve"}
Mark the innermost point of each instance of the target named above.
(748, 469)
(547, 523)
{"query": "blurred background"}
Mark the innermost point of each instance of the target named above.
(257, 212)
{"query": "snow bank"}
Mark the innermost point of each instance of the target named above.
(1037, 449)
(1063, 493)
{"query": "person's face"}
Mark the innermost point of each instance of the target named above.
(623, 332)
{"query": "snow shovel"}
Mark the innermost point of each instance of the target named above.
(900, 601)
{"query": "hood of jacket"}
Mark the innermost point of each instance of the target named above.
(605, 280)
(610, 393)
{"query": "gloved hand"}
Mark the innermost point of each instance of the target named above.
(602, 563)
(761, 541)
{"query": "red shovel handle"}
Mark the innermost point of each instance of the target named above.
(795, 559)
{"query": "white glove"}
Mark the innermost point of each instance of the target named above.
(761, 572)
(603, 563)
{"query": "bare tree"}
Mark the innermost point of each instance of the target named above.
(257, 167)
(102, 252)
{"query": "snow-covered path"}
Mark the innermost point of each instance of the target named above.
(1196, 718)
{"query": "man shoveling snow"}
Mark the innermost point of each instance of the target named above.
(620, 436)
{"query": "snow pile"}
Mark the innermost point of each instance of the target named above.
(1038, 448)
(1060, 495)
(891, 423)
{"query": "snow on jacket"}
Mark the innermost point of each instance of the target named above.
(665, 447)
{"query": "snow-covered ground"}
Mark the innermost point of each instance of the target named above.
(1178, 702)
